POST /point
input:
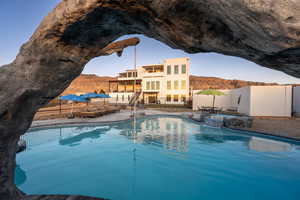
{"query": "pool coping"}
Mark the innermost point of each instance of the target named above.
(129, 118)
(186, 115)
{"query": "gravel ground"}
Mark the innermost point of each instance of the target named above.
(280, 127)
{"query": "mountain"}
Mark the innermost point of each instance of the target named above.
(203, 83)
(86, 83)
(90, 83)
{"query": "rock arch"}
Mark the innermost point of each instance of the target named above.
(264, 31)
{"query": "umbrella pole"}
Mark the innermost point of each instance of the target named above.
(72, 108)
(60, 106)
(214, 103)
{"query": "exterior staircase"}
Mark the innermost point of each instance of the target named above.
(135, 98)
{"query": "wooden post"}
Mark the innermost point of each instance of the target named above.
(109, 86)
(59, 106)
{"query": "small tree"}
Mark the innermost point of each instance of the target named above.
(213, 93)
(102, 91)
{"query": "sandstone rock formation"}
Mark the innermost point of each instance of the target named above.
(86, 83)
(264, 31)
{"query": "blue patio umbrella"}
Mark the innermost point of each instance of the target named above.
(94, 95)
(91, 95)
(73, 97)
(106, 96)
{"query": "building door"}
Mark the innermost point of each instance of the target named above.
(152, 99)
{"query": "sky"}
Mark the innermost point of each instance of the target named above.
(19, 19)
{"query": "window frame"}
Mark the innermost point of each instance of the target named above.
(157, 85)
(152, 85)
(169, 83)
(183, 81)
(148, 85)
(183, 66)
(169, 69)
(176, 69)
(169, 98)
(176, 99)
(176, 85)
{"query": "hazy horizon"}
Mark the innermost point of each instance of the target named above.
(20, 19)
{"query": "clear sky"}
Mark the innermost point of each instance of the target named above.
(19, 19)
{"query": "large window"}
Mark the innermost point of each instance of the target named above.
(169, 98)
(175, 85)
(129, 74)
(183, 98)
(169, 69)
(175, 98)
(152, 85)
(183, 84)
(169, 87)
(183, 69)
(157, 85)
(148, 85)
(176, 69)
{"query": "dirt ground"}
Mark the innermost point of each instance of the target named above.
(282, 127)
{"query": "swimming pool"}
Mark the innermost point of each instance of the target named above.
(164, 158)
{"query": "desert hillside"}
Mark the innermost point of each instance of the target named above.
(202, 83)
(91, 83)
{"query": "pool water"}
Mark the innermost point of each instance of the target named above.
(159, 158)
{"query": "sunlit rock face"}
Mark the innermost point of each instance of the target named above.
(264, 31)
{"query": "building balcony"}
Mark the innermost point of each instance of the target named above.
(153, 74)
(128, 78)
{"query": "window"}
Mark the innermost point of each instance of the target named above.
(183, 98)
(176, 69)
(169, 98)
(175, 85)
(169, 87)
(183, 84)
(169, 69)
(157, 85)
(148, 85)
(183, 69)
(175, 98)
(152, 85)
(129, 74)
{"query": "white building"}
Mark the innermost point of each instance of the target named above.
(296, 101)
(166, 83)
(252, 100)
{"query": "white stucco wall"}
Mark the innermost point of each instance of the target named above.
(176, 77)
(254, 100)
(296, 101)
(203, 100)
(271, 101)
(243, 94)
(118, 97)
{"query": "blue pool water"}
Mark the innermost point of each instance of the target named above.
(166, 158)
